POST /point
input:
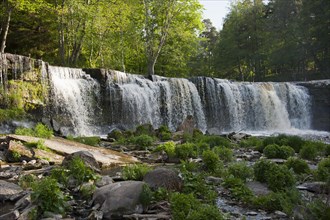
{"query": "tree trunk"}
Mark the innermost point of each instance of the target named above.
(4, 29)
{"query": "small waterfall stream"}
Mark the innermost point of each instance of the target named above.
(217, 105)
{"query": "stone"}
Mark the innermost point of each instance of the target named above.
(315, 187)
(118, 199)
(165, 178)
(188, 125)
(105, 180)
(252, 213)
(300, 213)
(18, 152)
(214, 180)
(32, 162)
(13, 215)
(43, 162)
(88, 159)
(257, 188)
(280, 214)
(9, 172)
(9, 191)
(24, 202)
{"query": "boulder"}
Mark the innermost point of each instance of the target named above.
(258, 188)
(315, 187)
(163, 177)
(121, 198)
(188, 125)
(13, 215)
(105, 180)
(18, 152)
(9, 191)
(88, 159)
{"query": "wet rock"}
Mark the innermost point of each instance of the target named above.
(88, 159)
(13, 215)
(165, 178)
(258, 188)
(188, 125)
(315, 187)
(9, 191)
(105, 180)
(118, 199)
(280, 214)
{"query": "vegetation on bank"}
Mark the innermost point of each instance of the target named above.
(273, 40)
(206, 164)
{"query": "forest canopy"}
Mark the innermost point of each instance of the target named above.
(281, 40)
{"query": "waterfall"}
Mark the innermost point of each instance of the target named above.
(74, 97)
(82, 105)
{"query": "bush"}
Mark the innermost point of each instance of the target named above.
(275, 151)
(261, 169)
(164, 133)
(237, 188)
(279, 178)
(27, 181)
(39, 130)
(251, 142)
(308, 151)
(211, 160)
(185, 151)
(327, 150)
(115, 134)
(214, 140)
(92, 141)
(39, 145)
(224, 153)
(240, 170)
(135, 171)
(295, 142)
(145, 129)
(143, 141)
(46, 194)
(323, 170)
(11, 114)
(201, 147)
(298, 166)
(168, 147)
(318, 209)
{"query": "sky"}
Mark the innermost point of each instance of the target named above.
(216, 11)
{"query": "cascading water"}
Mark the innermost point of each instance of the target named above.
(85, 106)
(74, 100)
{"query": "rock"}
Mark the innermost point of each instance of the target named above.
(278, 161)
(9, 172)
(9, 191)
(32, 162)
(43, 162)
(315, 187)
(24, 202)
(251, 213)
(238, 136)
(213, 180)
(88, 159)
(105, 180)
(188, 125)
(25, 213)
(121, 198)
(300, 213)
(280, 214)
(163, 177)
(13, 215)
(258, 188)
(18, 152)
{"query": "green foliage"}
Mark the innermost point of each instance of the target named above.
(298, 166)
(309, 151)
(213, 140)
(164, 133)
(168, 147)
(237, 188)
(46, 194)
(201, 147)
(211, 160)
(323, 170)
(39, 130)
(115, 134)
(261, 169)
(40, 144)
(143, 141)
(186, 206)
(16, 155)
(185, 151)
(251, 142)
(12, 114)
(146, 196)
(318, 209)
(145, 129)
(276, 151)
(92, 141)
(240, 170)
(225, 154)
(161, 194)
(135, 171)
(27, 181)
(282, 201)
(279, 178)
(327, 150)
(61, 175)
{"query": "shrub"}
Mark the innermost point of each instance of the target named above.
(261, 169)
(251, 142)
(318, 209)
(143, 141)
(308, 151)
(11, 114)
(27, 181)
(39, 145)
(145, 129)
(206, 211)
(323, 170)
(240, 170)
(213, 140)
(224, 153)
(115, 134)
(164, 133)
(185, 151)
(168, 147)
(135, 171)
(275, 151)
(46, 194)
(327, 150)
(201, 147)
(211, 160)
(298, 166)
(24, 131)
(295, 142)
(279, 178)
(16, 156)
(237, 188)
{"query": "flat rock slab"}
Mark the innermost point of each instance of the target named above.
(9, 191)
(105, 157)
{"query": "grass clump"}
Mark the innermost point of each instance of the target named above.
(276, 151)
(143, 141)
(251, 142)
(225, 154)
(135, 171)
(309, 151)
(145, 129)
(185, 151)
(261, 169)
(237, 188)
(168, 147)
(12, 114)
(164, 133)
(213, 140)
(40, 130)
(323, 170)
(211, 160)
(92, 141)
(38, 145)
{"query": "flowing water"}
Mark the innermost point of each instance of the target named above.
(89, 107)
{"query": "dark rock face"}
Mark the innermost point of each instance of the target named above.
(88, 159)
(320, 93)
(165, 178)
